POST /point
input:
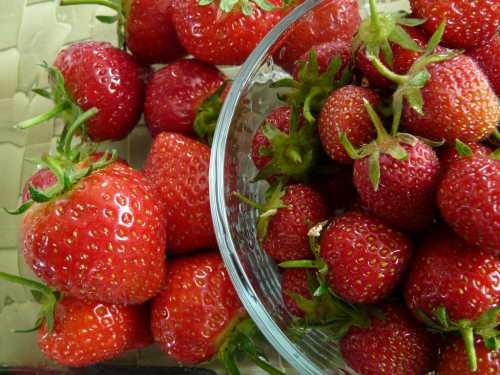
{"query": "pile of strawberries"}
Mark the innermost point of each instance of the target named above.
(356, 215)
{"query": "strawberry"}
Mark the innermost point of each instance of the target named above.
(42, 179)
(468, 23)
(453, 360)
(218, 33)
(469, 197)
(449, 154)
(331, 21)
(365, 257)
(175, 92)
(344, 112)
(488, 59)
(452, 286)
(394, 345)
(294, 282)
(177, 167)
(101, 239)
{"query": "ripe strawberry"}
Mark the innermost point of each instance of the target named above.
(488, 59)
(469, 197)
(395, 345)
(344, 112)
(365, 257)
(85, 333)
(103, 240)
(217, 35)
(468, 23)
(42, 179)
(177, 167)
(453, 360)
(175, 92)
(458, 102)
(331, 21)
(294, 282)
(449, 154)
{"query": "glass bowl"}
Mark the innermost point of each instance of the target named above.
(253, 273)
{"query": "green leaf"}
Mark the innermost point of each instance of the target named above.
(38, 195)
(21, 209)
(412, 22)
(408, 139)
(436, 37)
(401, 37)
(415, 100)
(397, 152)
(420, 79)
(42, 92)
(387, 52)
(205, 2)
(442, 316)
(304, 304)
(462, 148)
(265, 5)
(374, 169)
(107, 19)
(349, 148)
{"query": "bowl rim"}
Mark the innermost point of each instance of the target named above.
(249, 298)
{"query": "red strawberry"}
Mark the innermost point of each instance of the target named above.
(177, 167)
(396, 345)
(344, 112)
(98, 75)
(223, 36)
(89, 332)
(453, 360)
(286, 237)
(331, 21)
(42, 179)
(449, 154)
(469, 198)
(458, 103)
(197, 309)
(365, 257)
(175, 92)
(294, 281)
(468, 23)
(104, 239)
(488, 59)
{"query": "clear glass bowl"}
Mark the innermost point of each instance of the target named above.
(254, 274)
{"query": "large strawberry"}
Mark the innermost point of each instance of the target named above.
(455, 287)
(175, 92)
(468, 23)
(224, 32)
(332, 20)
(344, 112)
(469, 197)
(453, 360)
(395, 345)
(488, 59)
(177, 167)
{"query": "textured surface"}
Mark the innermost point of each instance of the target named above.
(488, 59)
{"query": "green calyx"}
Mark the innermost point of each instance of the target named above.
(377, 31)
(311, 88)
(122, 9)
(486, 326)
(241, 343)
(44, 295)
(207, 115)
(244, 5)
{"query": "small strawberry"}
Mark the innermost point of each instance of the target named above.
(450, 154)
(177, 167)
(175, 92)
(42, 180)
(468, 23)
(488, 59)
(455, 287)
(365, 257)
(331, 21)
(469, 197)
(453, 360)
(395, 345)
(344, 112)
(222, 33)
(294, 285)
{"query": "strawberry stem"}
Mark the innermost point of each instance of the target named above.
(377, 122)
(374, 17)
(386, 72)
(74, 127)
(306, 263)
(44, 116)
(468, 337)
(248, 201)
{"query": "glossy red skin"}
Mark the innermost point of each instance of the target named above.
(332, 20)
(222, 38)
(447, 272)
(397, 345)
(449, 154)
(103, 241)
(177, 167)
(453, 359)
(150, 32)
(174, 93)
(366, 258)
(406, 195)
(468, 23)
(458, 103)
(338, 188)
(295, 280)
(41, 180)
(196, 310)
(96, 74)
(488, 59)
(403, 59)
(345, 112)
(325, 53)
(469, 200)
(85, 333)
(286, 237)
